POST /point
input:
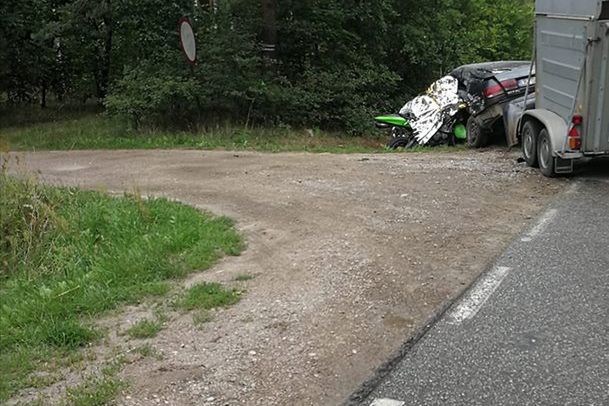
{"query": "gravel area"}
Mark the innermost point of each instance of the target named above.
(350, 255)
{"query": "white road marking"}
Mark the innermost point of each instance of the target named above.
(540, 226)
(478, 295)
(387, 402)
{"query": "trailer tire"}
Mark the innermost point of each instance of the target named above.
(544, 153)
(530, 135)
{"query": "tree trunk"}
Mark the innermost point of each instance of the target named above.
(102, 71)
(269, 33)
(43, 96)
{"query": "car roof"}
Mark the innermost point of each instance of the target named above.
(489, 69)
(515, 73)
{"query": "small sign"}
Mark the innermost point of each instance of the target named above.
(187, 40)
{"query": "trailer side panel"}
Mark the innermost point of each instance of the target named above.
(596, 139)
(581, 8)
(561, 51)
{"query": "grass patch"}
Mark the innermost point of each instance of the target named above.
(43, 380)
(100, 132)
(207, 296)
(86, 130)
(98, 390)
(244, 277)
(68, 256)
(94, 391)
(144, 329)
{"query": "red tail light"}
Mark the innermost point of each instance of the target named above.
(494, 90)
(575, 135)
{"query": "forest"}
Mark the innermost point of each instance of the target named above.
(307, 63)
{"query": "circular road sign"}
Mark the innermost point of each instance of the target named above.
(187, 40)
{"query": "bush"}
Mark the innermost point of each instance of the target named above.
(154, 98)
(334, 100)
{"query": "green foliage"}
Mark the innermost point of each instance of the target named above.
(431, 38)
(153, 99)
(67, 256)
(336, 63)
(27, 49)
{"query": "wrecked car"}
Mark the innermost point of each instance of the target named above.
(466, 105)
(487, 89)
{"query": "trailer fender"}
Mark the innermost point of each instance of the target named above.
(555, 125)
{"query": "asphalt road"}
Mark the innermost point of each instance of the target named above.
(534, 330)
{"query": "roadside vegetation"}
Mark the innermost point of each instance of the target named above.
(207, 296)
(99, 389)
(331, 65)
(67, 257)
(145, 329)
(96, 131)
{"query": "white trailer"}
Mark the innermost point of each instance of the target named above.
(571, 116)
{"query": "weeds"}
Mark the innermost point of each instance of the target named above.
(100, 389)
(207, 296)
(67, 256)
(144, 329)
(100, 132)
(94, 391)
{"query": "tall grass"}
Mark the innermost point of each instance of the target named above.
(68, 255)
(96, 131)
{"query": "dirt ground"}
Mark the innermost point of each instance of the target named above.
(350, 253)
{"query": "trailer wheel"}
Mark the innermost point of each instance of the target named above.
(530, 134)
(544, 152)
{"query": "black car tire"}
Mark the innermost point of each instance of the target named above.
(401, 142)
(477, 137)
(530, 135)
(544, 153)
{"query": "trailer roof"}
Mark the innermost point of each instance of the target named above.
(579, 8)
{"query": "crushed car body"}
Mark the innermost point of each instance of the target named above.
(428, 112)
(467, 105)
